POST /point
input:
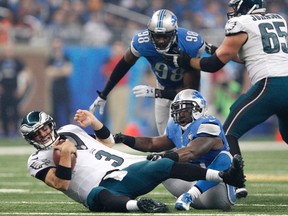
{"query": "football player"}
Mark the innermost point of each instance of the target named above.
(199, 139)
(104, 179)
(258, 40)
(161, 36)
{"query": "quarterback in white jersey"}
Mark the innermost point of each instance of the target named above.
(104, 179)
(102, 159)
(258, 40)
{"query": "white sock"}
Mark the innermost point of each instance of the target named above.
(195, 192)
(213, 175)
(131, 205)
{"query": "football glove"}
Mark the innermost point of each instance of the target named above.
(154, 157)
(157, 156)
(143, 91)
(125, 139)
(99, 102)
(119, 138)
(181, 59)
(210, 48)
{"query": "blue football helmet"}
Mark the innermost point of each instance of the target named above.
(188, 100)
(163, 23)
(242, 7)
(32, 123)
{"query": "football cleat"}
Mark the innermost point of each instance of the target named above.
(183, 202)
(241, 193)
(148, 205)
(234, 175)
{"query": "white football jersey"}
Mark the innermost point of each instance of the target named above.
(94, 160)
(265, 52)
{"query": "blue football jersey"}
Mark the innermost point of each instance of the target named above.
(167, 75)
(206, 126)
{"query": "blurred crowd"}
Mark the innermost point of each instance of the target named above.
(105, 23)
(100, 22)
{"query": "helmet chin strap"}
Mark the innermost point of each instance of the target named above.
(171, 43)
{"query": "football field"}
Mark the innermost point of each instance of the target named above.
(266, 168)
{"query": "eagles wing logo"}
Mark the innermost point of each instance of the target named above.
(229, 26)
(39, 164)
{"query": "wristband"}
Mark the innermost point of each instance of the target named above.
(211, 64)
(102, 133)
(165, 93)
(173, 156)
(101, 95)
(63, 172)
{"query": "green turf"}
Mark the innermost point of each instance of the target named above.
(267, 174)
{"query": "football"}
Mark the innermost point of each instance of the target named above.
(57, 155)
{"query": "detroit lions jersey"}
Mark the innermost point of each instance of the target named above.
(94, 160)
(265, 52)
(206, 126)
(168, 76)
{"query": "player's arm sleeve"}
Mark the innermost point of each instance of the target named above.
(41, 175)
(119, 71)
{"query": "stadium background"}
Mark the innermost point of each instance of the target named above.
(90, 27)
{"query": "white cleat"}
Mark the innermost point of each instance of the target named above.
(183, 202)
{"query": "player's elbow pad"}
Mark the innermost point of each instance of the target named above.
(211, 64)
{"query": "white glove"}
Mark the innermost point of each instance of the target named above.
(143, 91)
(99, 102)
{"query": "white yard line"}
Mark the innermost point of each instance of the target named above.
(245, 146)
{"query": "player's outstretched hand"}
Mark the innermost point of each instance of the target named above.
(181, 59)
(154, 157)
(84, 118)
(144, 91)
(98, 103)
(210, 48)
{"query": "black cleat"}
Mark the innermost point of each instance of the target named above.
(148, 205)
(241, 193)
(234, 175)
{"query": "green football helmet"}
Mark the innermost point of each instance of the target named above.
(32, 123)
(243, 7)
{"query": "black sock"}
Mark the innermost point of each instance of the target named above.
(187, 171)
(234, 145)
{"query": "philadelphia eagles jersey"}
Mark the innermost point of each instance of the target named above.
(266, 44)
(94, 160)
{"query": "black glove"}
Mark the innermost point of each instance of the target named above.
(180, 59)
(122, 138)
(154, 156)
(210, 48)
(119, 138)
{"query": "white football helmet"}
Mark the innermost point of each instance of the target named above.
(242, 7)
(32, 123)
(188, 100)
(163, 23)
